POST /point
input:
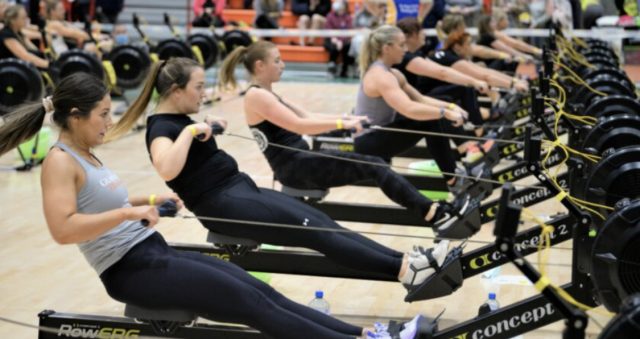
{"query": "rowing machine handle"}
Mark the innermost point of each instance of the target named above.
(216, 129)
(168, 208)
(167, 21)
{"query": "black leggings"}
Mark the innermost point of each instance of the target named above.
(389, 144)
(309, 171)
(241, 199)
(334, 53)
(153, 275)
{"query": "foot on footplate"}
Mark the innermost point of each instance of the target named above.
(467, 222)
(445, 281)
(480, 189)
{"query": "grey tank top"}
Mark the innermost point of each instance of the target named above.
(103, 191)
(376, 109)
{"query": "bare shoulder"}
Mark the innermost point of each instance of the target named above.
(58, 164)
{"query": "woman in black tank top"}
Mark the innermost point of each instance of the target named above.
(276, 121)
(187, 157)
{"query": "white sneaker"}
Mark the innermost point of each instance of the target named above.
(420, 266)
(411, 328)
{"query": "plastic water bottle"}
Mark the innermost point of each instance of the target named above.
(490, 305)
(319, 303)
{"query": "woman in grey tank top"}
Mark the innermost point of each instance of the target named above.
(86, 204)
(387, 99)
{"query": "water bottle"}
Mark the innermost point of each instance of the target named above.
(319, 303)
(490, 305)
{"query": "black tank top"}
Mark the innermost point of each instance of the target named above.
(266, 132)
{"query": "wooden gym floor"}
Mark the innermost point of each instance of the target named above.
(37, 274)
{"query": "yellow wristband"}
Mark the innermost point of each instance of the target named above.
(152, 200)
(339, 124)
(451, 106)
(194, 131)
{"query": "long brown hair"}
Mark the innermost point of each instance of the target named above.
(75, 95)
(484, 26)
(248, 56)
(165, 77)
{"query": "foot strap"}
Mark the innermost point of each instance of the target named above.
(445, 281)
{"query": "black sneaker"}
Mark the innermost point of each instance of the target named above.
(449, 215)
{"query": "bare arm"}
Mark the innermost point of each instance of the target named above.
(429, 68)
(69, 32)
(501, 46)
(391, 87)
(484, 52)
(492, 77)
(518, 44)
(21, 52)
(262, 105)
(169, 157)
(61, 180)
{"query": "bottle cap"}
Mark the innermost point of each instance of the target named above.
(492, 296)
(319, 294)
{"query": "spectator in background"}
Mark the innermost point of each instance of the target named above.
(339, 18)
(108, 10)
(208, 15)
(543, 12)
(312, 15)
(370, 16)
(435, 14)
(267, 13)
(469, 9)
(13, 43)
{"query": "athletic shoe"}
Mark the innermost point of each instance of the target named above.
(424, 263)
(462, 182)
(410, 329)
(451, 215)
(380, 332)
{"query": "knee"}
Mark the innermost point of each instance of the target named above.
(317, 20)
(303, 21)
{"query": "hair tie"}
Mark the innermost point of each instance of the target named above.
(47, 103)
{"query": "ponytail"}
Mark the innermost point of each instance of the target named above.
(164, 77)
(373, 43)
(226, 76)
(248, 55)
(20, 125)
(76, 95)
(136, 109)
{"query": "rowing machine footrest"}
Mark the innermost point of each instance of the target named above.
(469, 224)
(426, 328)
(481, 189)
(442, 283)
(490, 158)
(317, 194)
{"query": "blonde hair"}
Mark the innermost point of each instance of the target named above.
(11, 13)
(248, 56)
(373, 43)
(165, 77)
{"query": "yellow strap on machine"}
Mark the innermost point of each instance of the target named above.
(111, 72)
(198, 53)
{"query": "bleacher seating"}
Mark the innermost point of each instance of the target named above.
(152, 14)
